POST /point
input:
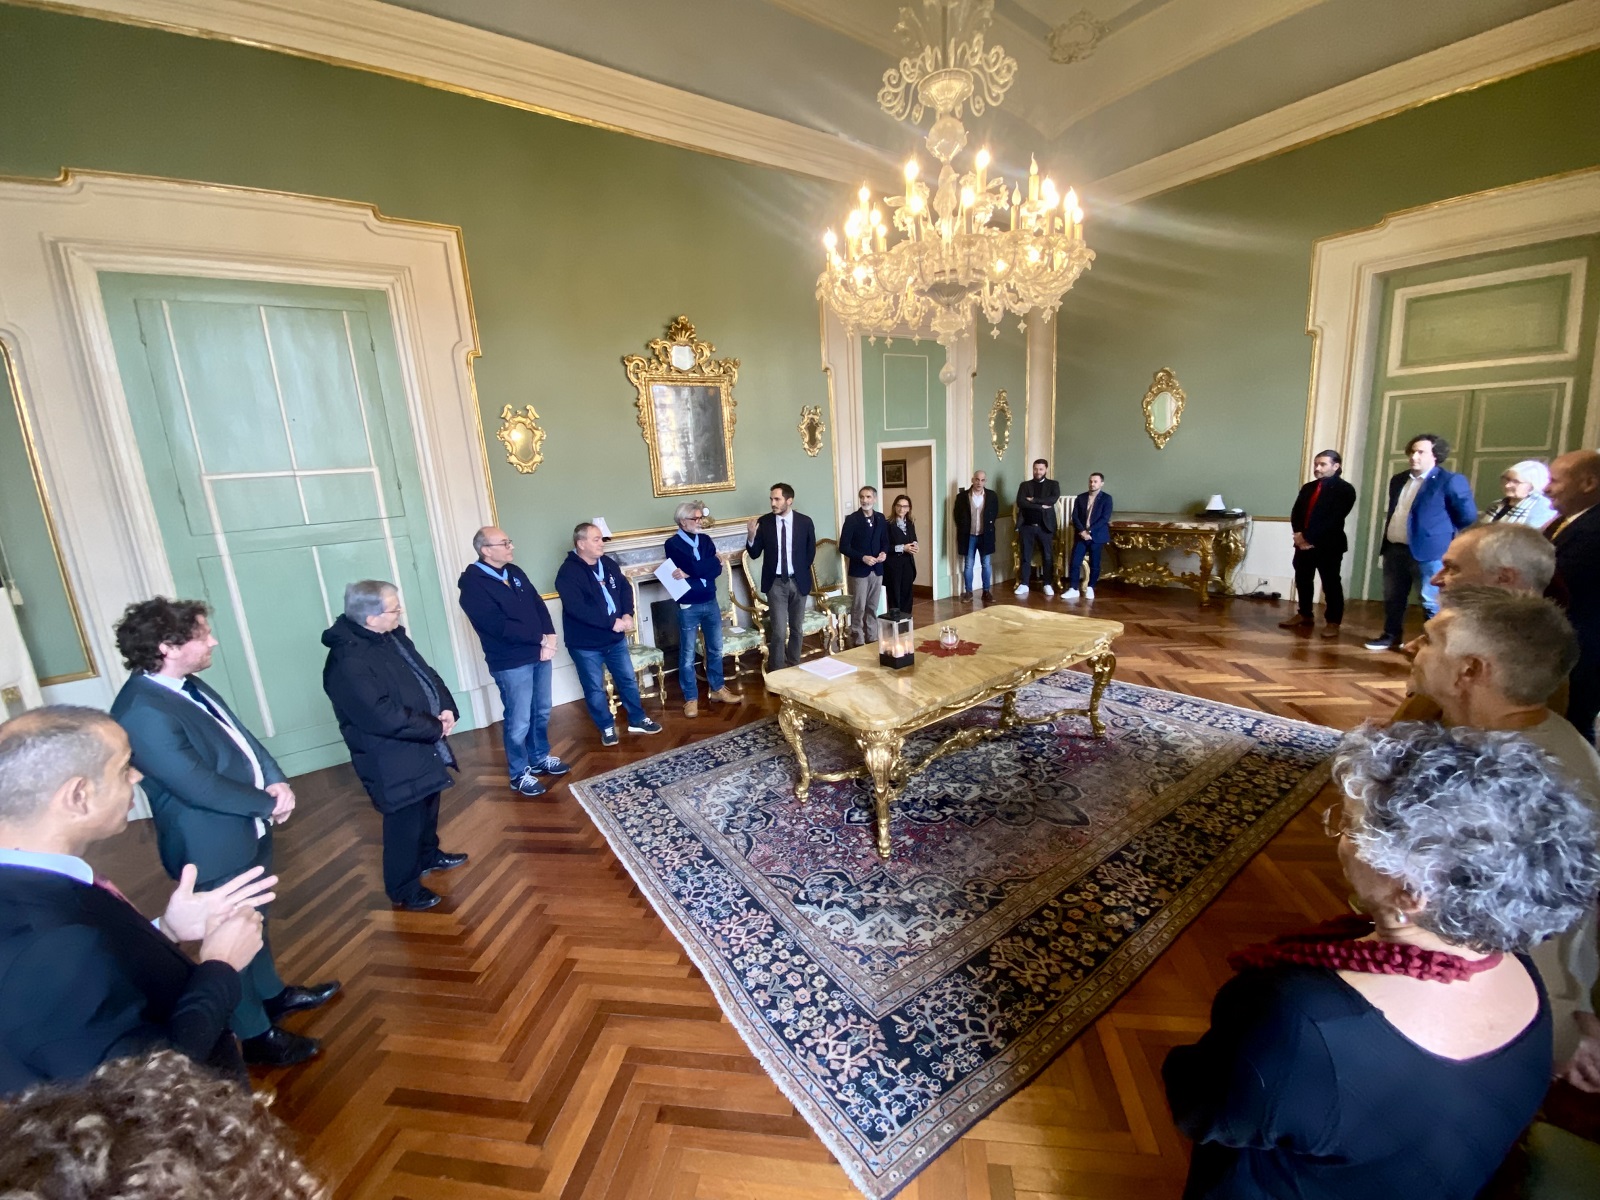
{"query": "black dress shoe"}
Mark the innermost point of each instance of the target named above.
(298, 999)
(421, 902)
(277, 1047)
(444, 862)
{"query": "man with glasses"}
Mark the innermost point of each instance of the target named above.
(519, 642)
(694, 558)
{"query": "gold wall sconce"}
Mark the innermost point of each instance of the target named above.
(523, 438)
(1163, 407)
(1000, 422)
(811, 429)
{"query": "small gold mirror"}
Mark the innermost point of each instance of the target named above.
(522, 437)
(811, 429)
(1000, 423)
(1163, 407)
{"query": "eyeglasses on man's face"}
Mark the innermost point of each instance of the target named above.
(508, 543)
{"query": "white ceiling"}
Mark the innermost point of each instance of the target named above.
(1154, 75)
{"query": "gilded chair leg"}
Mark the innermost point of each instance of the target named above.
(611, 693)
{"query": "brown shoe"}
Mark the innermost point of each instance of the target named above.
(1296, 622)
(691, 708)
(988, 597)
(1330, 631)
(722, 696)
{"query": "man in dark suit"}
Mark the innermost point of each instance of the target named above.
(1574, 492)
(786, 543)
(1428, 506)
(1036, 526)
(85, 978)
(976, 511)
(1091, 530)
(214, 791)
(1317, 521)
(864, 542)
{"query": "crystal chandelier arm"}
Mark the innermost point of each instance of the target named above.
(993, 71)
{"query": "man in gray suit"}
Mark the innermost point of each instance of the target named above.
(215, 793)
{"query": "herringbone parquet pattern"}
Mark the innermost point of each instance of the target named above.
(542, 1035)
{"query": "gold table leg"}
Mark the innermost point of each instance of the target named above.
(881, 750)
(793, 724)
(1103, 666)
(1205, 572)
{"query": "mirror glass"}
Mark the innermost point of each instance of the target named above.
(1162, 409)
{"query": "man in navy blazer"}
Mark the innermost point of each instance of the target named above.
(597, 617)
(1574, 492)
(215, 793)
(1317, 522)
(1428, 506)
(786, 543)
(84, 977)
(864, 542)
(1091, 530)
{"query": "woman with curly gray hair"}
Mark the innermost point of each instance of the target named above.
(1400, 1054)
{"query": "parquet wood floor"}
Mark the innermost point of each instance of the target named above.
(541, 1034)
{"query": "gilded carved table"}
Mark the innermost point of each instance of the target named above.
(880, 708)
(1215, 541)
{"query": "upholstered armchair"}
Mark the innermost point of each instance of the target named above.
(815, 621)
(644, 658)
(737, 640)
(830, 591)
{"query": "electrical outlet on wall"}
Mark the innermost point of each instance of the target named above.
(14, 594)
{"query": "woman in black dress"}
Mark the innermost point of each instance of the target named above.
(1401, 1055)
(900, 570)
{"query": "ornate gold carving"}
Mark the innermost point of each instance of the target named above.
(811, 429)
(1166, 383)
(1000, 422)
(685, 411)
(1223, 547)
(523, 438)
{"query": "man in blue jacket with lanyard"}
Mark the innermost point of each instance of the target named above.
(694, 558)
(596, 617)
(864, 542)
(1428, 506)
(519, 642)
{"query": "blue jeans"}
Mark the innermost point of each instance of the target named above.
(1399, 568)
(591, 666)
(1080, 548)
(966, 571)
(525, 695)
(707, 618)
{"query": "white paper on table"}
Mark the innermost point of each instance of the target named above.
(677, 587)
(600, 524)
(828, 668)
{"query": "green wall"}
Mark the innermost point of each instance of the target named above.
(1213, 279)
(581, 244)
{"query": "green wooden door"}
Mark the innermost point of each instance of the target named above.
(275, 440)
(1493, 353)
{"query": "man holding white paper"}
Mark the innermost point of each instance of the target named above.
(692, 581)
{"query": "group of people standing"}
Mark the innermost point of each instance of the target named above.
(977, 510)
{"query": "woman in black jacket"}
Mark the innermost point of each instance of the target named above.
(900, 570)
(395, 713)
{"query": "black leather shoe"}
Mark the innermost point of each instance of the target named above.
(421, 902)
(444, 862)
(298, 999)
(277, 1047)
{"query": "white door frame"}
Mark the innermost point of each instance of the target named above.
(57, 236)
(931, 445)
(1347, 273)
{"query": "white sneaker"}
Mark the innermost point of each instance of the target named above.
(1048, 590)
(1088, 593)
(1070, 594)
(1022, 589)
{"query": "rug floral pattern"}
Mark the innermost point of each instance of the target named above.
(1033, 878)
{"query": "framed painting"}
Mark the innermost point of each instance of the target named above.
(894, 472)
(686, 411)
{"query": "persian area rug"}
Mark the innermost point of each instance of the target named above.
(1033, 878)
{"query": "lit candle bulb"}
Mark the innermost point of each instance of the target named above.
(831, 241)
(982, 163)
(1033, 179)
(911, 180)
(1016, 205)
(1077, 223)
(880, 231)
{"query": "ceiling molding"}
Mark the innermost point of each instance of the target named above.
(419, 48)
(1488, 57)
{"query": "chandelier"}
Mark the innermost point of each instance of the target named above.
(965, 244)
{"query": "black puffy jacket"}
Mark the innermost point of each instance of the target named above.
(384, 714)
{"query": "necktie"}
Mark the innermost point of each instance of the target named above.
(105, 885)
(192, 690)
(1312, 503)
(783, 547)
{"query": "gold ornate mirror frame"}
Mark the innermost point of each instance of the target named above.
(1000, 422)
(685, 411)
(811, 429)
(1165, 382)
(522, 437)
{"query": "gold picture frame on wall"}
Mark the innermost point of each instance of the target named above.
(1163, 407)
(1000, 424)
(686, 411)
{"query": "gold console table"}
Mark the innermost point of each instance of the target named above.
(880, 707)
(1218, 542)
